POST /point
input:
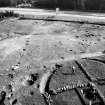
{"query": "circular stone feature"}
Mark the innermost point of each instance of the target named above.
(73, 77)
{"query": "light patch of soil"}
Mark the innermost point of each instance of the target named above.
(11, 45)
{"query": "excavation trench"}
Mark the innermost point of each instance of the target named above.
(47, 76)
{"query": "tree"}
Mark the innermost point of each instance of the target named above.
(83, 4)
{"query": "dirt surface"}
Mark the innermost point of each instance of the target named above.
(51, 62)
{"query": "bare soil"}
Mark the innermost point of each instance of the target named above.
(35, 46)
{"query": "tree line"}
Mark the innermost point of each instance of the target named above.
(98, 5)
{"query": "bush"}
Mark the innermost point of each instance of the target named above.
(8, 14)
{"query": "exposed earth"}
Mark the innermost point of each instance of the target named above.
(51, 62)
